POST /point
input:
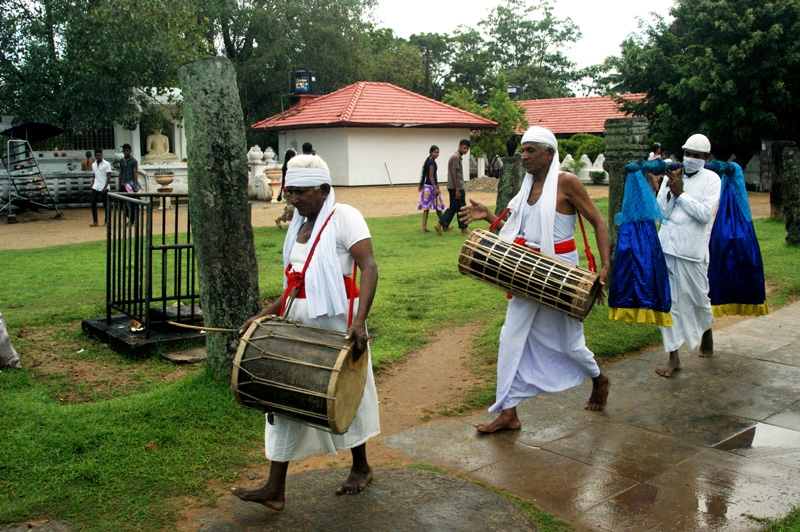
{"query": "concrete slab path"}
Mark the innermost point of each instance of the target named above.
(706, 449)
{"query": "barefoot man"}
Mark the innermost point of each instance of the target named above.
(543, 350)
(329, 237)
(688, 198)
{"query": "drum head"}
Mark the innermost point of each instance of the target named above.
(347, 387)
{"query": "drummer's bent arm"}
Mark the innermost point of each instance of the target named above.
(362, 253)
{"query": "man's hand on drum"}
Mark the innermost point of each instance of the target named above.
(358, 332)
(473, 212)
(272, 308)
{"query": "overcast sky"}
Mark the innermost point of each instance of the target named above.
(604, 24)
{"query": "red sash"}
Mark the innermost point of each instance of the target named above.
(296, 281)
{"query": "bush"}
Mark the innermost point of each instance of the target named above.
(597, 176)
(580, 143)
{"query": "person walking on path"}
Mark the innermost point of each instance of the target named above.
(128, 170)
(330, 237)
(430, 197)
(688, 198)
(455, 187)
(100, 181)
(541, 349)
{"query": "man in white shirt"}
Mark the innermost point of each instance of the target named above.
(689, 198)
(102, 177)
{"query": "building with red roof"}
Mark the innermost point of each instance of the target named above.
(372, 133)
(568, 116)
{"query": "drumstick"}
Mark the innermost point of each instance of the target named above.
(195, 327)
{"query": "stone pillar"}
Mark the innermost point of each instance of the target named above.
(626, 142)
(218, 207)
(786, 180)
(511, 177)
(777, 197)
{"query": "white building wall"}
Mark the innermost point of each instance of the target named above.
(376, 156)
(383, 156)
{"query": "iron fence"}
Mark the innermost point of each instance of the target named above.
(150, 262)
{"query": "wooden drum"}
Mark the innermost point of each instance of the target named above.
(299, 372)
(529, 274)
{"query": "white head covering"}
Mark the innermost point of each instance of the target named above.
(547, 201)
(698, 142)
(325, 292)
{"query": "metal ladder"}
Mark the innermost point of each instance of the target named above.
(26, 182)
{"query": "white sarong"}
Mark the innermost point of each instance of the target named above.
(691, 307)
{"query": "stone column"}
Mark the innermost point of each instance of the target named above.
(626, 142)
(777, 197)
(223, 237)
(786, 179)
(511, 177)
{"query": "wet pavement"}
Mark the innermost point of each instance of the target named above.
(709, 448)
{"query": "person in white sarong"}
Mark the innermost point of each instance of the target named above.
(543, 350)
(689, 198)
(343, 238)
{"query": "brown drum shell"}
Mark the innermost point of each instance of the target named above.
(299, 372)
(529, 274)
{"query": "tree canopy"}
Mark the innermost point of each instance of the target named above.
(727, 68)
(77, 63)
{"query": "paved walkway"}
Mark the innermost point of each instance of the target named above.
(718, 441)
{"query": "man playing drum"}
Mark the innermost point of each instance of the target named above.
(543, 350)
(342, 237)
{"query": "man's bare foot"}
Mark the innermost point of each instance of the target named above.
(707, 344)
(269, 497)
(356, 481)
(278, 223)
(673, 364)
(93, 225)
(507, 420)
(447, 228)
(426, 231)
(597, 401)
(438, 228)
(465, 231)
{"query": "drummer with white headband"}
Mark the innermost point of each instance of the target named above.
(543, 350)
(319, 296)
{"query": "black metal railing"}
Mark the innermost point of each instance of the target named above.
(150, 263)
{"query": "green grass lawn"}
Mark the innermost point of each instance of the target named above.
(124, 459)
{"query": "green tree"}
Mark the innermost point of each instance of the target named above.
(726, 69)
(436, 50)
(526, 43)
(265, 40)
(76, 63)
(468, 67)
(393, 60)
(509, 115)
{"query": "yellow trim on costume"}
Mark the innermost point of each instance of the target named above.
(740, 309)
(641, 315)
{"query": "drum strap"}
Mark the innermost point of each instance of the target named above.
(589, 256)
(295, 281)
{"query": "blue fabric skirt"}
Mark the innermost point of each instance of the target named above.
(640, 280)
(735, 269)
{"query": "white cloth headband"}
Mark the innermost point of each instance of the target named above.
(540, 134)
(307, 177)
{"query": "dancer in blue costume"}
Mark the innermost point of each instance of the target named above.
(640, 280)
(735, 271)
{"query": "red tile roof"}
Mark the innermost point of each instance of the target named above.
(573, 115)
(372, 104)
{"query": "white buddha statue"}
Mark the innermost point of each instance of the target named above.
(158, 149)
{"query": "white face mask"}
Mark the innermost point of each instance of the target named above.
(692, 165)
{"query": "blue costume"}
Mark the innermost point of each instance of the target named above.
(640, 281)
(735, 271)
